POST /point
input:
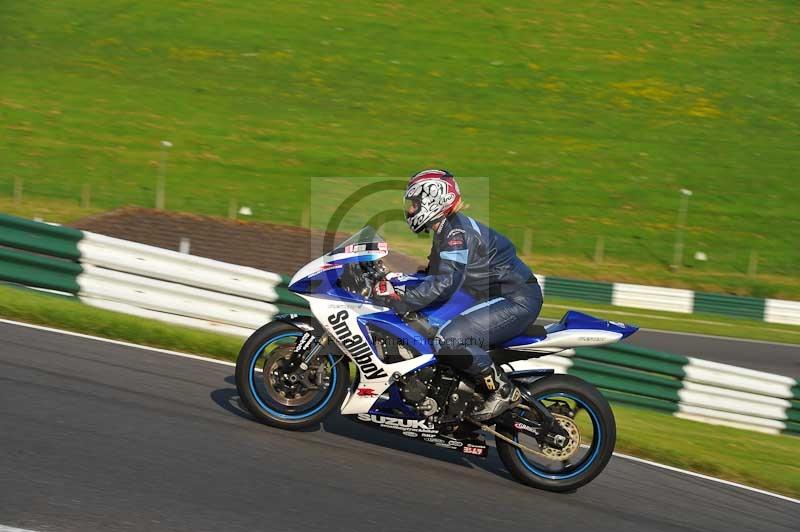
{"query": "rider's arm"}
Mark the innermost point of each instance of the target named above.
(442, 284)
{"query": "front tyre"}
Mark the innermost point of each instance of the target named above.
(585, 416)
(276, 390)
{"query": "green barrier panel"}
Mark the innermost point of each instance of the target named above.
(39, 237)
(624, 384)
(630, 360)
(795, 404)
(796, 392)
(651, 379)
(649, 353)
(793, 414)
(743, 307)
(595, 291)
(792, 428)
(38, 271)
(287, 297)
(290, 309)
(646, 402)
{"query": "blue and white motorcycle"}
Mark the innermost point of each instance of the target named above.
(296, 370)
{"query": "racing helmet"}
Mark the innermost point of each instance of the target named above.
(430, 196)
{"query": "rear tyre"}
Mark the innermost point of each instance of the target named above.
(587, 416)
(274, 388)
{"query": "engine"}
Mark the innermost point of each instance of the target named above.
(415, 389)
(436, 391)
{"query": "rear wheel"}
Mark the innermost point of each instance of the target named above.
(276, 390)
(588, 424)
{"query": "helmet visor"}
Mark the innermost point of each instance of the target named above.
(411, 207)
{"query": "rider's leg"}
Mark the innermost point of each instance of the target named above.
(465, 341)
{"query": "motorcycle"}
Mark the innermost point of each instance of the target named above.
(295, 371)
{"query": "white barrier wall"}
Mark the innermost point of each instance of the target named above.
(736, 378)
(168, 265)
(185, 321)
(172, 298)
(778, 311)
(653, 297)
(729, 419)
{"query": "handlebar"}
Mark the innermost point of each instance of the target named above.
(361, 279)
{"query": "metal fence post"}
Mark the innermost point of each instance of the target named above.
(17, 191)
(599, 249)
(677, 259)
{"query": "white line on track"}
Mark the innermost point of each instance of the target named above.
(4, 528)
(706, 477)
(225, 363)
(117, 342)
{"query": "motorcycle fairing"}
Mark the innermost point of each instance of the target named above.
(343, 322)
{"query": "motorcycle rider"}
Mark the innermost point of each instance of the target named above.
(471, 256)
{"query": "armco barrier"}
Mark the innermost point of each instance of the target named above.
(173, 298)
(30, 269)
(652, 297)
(51, 240)
(185, 321)
(637, 358)
(212, 295)
(589, 290)
(777, 311)
(740, 307)
(166, 265)
(137, 279)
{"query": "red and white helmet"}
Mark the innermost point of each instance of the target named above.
(430, 196)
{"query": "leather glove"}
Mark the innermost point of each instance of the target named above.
(385, 295)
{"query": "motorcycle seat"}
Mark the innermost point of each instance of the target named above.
(536, 331)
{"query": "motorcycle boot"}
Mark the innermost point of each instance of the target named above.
(503, 394)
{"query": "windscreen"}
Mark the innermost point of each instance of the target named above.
(367, 239)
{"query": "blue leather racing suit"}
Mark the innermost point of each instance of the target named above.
(470, 256)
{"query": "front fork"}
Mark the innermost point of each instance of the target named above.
(307, 341)
(310, 347)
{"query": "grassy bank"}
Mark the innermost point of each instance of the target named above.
(756, 459)
(588, 118)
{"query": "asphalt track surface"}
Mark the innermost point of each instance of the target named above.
(97, 436)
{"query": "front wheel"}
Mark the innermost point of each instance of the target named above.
(585, 417)
(276, 390)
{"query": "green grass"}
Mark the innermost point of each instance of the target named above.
(756, 459)
(67, 313)
(587, 116)
(711, 324)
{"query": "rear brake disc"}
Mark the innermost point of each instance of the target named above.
(572, 444)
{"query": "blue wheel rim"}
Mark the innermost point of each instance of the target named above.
(272, 411)
(594, 451)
